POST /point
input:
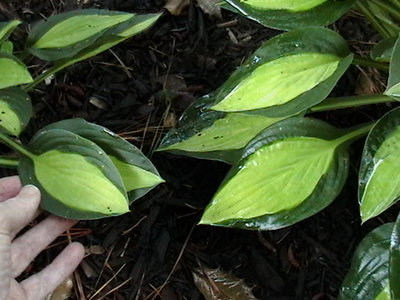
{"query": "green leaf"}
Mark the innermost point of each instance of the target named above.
(385, 294)
(290, 5)
(66, 34)
(379, 182)
(383, 50)
(394, 261)
(138, 173)
(12, 71)
(134, 177)
(76, 177)
(279, 81)
(7, 47)
(393, 86)
(113, 37)
(368, 276)
(287, 74)
(292, 166)
(292, 14)
(6, 28)
(15, 110)
(213, 135)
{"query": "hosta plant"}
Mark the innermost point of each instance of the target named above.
(84, 170)
(286, 165)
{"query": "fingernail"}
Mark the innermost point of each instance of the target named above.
(30, 189)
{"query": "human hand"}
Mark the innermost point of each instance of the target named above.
(18, 207)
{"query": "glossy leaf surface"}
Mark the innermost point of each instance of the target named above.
(6, 28)
(393, 86)
(15, 110)
(76, 177)
(379, 182)
(292, 14)
(383, 50)
(213, 135)
(368, 276)
(138, 173)
(394, 261)
(66, 34)
(291, 5)
(279, 81)
(113, 37)
(287, 74)
(288, 168)
(12, 71)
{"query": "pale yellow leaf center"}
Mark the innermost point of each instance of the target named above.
(279, 81)
(79, 184)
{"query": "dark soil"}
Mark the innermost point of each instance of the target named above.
(138, 90)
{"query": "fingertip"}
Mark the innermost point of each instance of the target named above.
(31, 190)
(77, 248)
(76, 253)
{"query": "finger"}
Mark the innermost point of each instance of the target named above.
(43, 283)
(17, 212)
(9, 187)
(26, 247)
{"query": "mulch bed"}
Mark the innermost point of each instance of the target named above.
(139, 89)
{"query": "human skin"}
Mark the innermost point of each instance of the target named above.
(18, 207)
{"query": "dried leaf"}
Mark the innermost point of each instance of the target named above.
(63, 291)
(210, 7)
(215, 284)
(176, 7)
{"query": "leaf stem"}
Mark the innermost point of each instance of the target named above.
(394, 12)
(17, 147)
(8, 162)
(395, 3)
(354, 134)
(42, 77)
(351, 101)
(367, 62)
(373, 20)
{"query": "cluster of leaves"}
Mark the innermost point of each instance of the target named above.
(287, 166)
(84, 171)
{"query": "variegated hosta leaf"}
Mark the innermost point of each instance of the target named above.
(288, 74)
(6, 28)
(138, 173)
(383, 50)
(291, 5)
(213, 135)
(279, 81)
(76, 177)
(15, 110)
(393, 86)
(368, 278)
(292, 14)
(286, 166)
(232, 132)
(394, 261)
(66, 34)
(112, 37)
(12, 71)
(379, 181)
